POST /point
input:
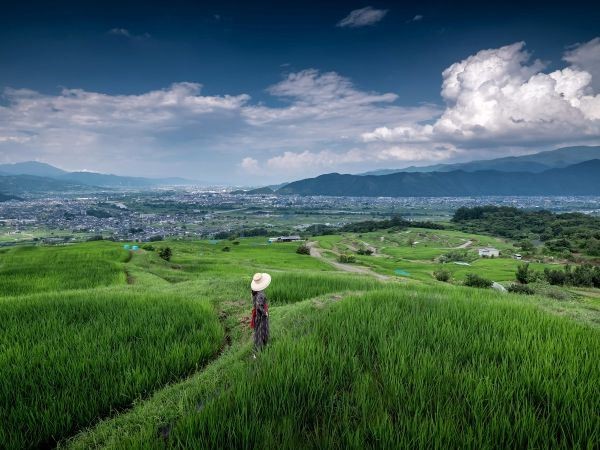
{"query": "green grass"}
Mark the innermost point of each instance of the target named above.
(293, 287)
(353, 362)
(25, 270)
(68, 358)
(401, 367)
(419, 260)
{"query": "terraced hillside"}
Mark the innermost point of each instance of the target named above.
(149, 353)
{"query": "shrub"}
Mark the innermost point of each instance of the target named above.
(346, 258)
(236, 242)
(156, 238)
(226, 249)
(523, 274)
(165, 253)
(555, 277)
(442, 275)
(526, 246)
(148, 247)
(521, 289)
(364, 251)
(457, 255)
(474, 280)
(303, 250)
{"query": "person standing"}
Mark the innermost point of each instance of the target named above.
(260, 310)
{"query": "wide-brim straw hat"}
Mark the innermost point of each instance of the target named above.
(260, 281)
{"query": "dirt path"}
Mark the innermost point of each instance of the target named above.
(315, 252)
(465, 245)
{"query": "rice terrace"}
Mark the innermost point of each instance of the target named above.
(299, 225)
(107, 347)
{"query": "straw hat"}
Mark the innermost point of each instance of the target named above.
(260, 281)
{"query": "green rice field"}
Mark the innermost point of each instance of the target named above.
(105, 348)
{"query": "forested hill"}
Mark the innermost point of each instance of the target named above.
(561, 233)
(578, 179)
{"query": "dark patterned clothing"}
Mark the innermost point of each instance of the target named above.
(261, 319)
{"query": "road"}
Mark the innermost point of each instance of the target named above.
(315, 252)
(465, 245)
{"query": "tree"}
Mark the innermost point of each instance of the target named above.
(442, 275)
(474, 280)
(522, 274)
(303, 250)
(165, 253)
(526, 246)
(521, 289)
(555, 276)
(346, 258)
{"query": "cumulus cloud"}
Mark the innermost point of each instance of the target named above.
(362, 17)
(179, 128)
(497, 101)
(586, 57)
(87, 128)
(499, 97)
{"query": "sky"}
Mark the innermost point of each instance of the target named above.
(252, 93)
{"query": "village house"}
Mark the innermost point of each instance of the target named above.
(489, 252)
(285, 239)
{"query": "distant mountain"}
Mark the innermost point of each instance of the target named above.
(31, 168)
(535, 163)
(17, 184)
(578, 179)
(5, 197)
(88, 178)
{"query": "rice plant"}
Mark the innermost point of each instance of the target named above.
(412, 368)
(70, 358)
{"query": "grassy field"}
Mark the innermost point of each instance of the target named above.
(148, 353)
(26, 270)
(414, 253)
(365, 374)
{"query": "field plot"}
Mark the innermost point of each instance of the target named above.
(415, 253)
(410, 366)
(25, 270)
(353, 360)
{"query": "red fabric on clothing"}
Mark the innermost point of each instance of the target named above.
(253, 320)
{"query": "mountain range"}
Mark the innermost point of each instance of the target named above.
(577, 179)
(565, 171)
(535, 163)
(39, 169)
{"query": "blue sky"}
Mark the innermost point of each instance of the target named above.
(257, 92)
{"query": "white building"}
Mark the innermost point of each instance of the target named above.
(285, 239)
(489, 252)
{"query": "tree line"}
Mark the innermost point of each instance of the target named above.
(561, 234)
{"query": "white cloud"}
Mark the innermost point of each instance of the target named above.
(310, 163)
(251, 165)
(586, 57)
(497, 101)
(180, 130)
(417, 18)
(317, 95)
(496, 97)
(362, 17)
(124, 32)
